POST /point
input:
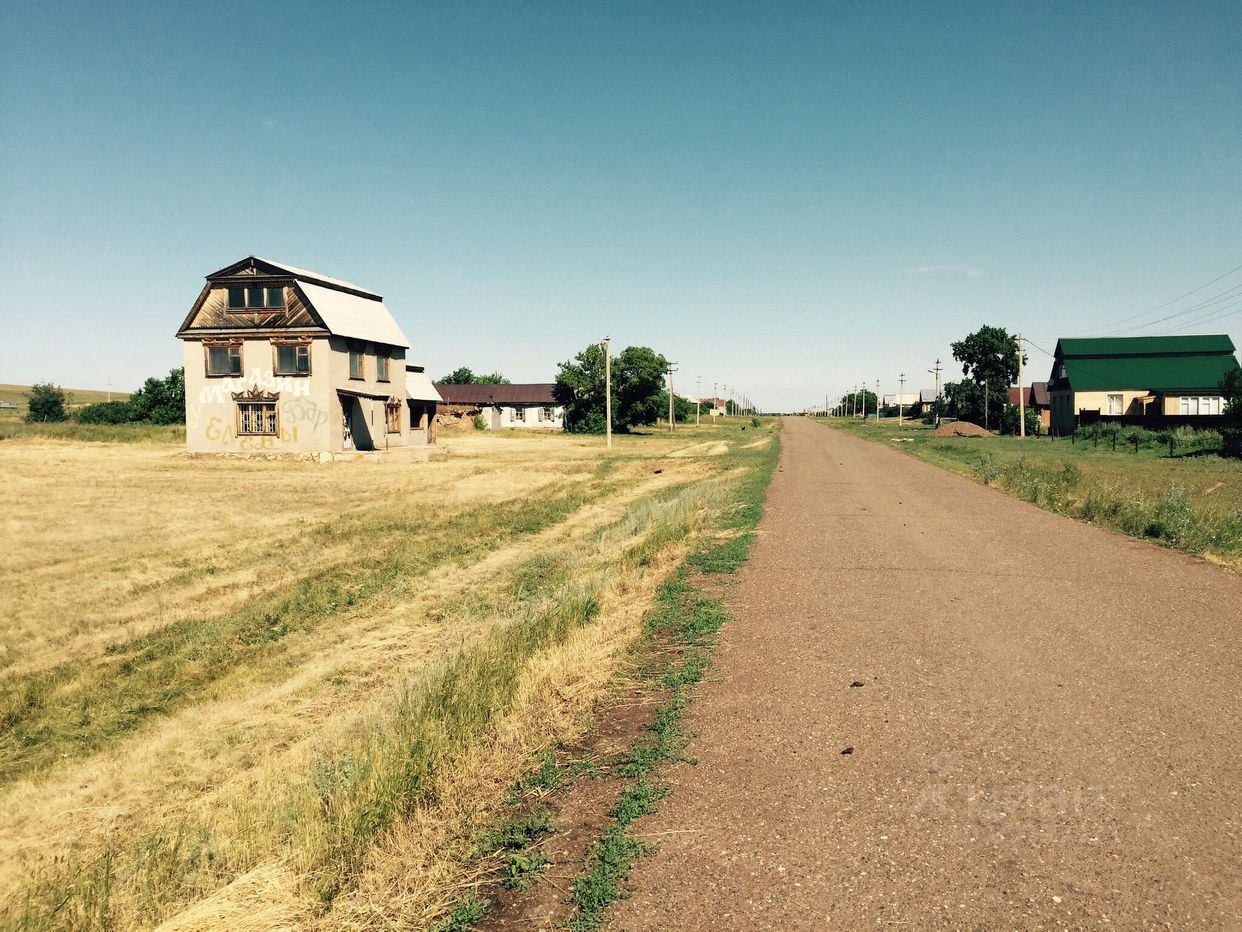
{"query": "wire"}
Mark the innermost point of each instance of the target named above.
(1222, 296)
(1112, 325)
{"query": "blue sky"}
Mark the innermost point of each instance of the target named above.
(787, 198)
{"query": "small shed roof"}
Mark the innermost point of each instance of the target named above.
(529, 393)
(418, 387)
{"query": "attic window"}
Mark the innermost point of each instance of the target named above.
(256, 298)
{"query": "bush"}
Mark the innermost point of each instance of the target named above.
(105, 412)
(47, 403)
(480, 423)
(160, 401)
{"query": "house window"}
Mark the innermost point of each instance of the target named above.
(256, 298)
(381, 365)
(548, 414)
(256, 418)
(293, 359)
(357, 370)
(1188, 405)
(392, 417)
(224, 360)
(1203, 405)
(1114, 404)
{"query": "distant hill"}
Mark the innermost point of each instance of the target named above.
(76, 397)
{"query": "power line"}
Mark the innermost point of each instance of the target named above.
(1160, 307)
(1225, 295)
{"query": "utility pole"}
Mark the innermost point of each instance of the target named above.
(1021, 394)
(985, 404)
(108, 385)
(672, 367)
(862, 396)
(698, 399)
(937, 400)
(606, 343)
(901, 388)
(877, 401)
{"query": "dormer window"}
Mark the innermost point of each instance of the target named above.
(256, 298)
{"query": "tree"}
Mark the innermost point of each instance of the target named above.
(580, 388)
(638, 375)
(637, 389)
(1231, 431)
(160, 401)
(989, 358)
(852, 402)
(466, 376)
(47, 403)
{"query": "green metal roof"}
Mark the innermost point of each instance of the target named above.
(1144, 346)
(1162, 364)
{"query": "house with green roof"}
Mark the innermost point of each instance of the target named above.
(1153, 381)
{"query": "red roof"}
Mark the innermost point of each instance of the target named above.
(1034, 396)
(475, 393)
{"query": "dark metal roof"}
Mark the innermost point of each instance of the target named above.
(531, 393)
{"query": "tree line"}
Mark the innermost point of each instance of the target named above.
(159, 401)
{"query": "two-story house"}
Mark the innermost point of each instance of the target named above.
(282, 360)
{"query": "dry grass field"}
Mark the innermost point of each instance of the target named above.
(264, 694)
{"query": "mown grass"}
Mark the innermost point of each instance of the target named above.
(677, 638)
(1190, 500)
(324, 821)
(77, 707)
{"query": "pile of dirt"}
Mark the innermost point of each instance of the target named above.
(961, 429)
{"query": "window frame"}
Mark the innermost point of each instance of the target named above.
(268, 415)
(357, 362)
(234, 350)
(1121, 404)
(266, 292)
(548, 415)
(383, 362)
(301, 348)
(392, 416)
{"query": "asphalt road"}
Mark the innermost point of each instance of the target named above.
(1047, 733)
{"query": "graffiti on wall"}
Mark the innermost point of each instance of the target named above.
(296, 417)
(221, 390)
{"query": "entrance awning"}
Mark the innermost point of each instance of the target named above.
(354, 393)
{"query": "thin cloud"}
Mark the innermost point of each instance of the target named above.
(971, 271)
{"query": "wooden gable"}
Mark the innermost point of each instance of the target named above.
(212, 312)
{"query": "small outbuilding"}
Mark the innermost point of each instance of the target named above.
(529, 406)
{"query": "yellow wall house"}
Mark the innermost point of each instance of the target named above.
(1151, 381)
(282, 360)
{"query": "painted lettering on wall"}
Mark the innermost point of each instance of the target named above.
(220, 390)
(224, 433)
